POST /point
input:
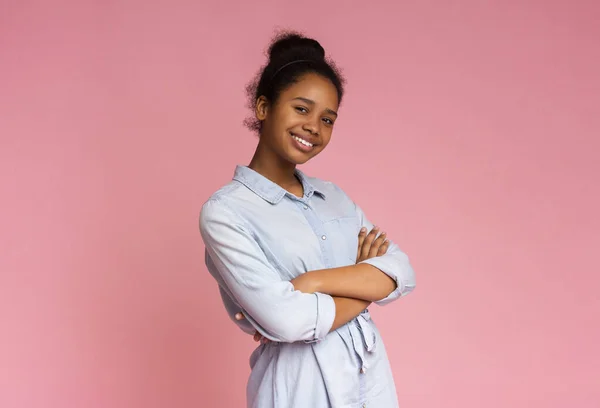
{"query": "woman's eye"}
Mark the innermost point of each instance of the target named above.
(301, 109)
(328, 121)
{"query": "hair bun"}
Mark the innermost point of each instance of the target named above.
(291, 56)
(293, 46)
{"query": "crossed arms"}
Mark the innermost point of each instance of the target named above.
(311, 305)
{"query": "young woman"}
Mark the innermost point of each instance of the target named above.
(283, 248)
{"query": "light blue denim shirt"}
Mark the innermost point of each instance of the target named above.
(258, 237)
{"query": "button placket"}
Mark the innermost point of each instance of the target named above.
(318, 228)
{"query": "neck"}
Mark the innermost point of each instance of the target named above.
(270, 165)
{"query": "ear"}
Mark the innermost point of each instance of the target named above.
(262, 108)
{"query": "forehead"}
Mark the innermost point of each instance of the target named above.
(314, 87)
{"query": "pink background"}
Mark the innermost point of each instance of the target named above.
(470, 132)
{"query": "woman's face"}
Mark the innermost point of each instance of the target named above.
(299, 125)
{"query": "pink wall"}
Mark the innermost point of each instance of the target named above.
(470, 132)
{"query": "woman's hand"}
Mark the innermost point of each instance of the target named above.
(257, 336)
(370, 245)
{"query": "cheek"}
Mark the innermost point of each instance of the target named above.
(285, 117)
(326, 138)
(278, 126)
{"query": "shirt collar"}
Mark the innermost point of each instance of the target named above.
(268, 190)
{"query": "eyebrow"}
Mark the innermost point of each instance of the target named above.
(310, 102)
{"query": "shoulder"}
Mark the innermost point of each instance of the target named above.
(220, 206)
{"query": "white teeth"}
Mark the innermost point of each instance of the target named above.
(304, 142)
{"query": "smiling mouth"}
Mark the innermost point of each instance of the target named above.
(301, 141)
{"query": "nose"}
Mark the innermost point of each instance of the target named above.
(311, 126)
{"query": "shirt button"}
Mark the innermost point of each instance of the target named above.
(323, 237)
(363, 370)
(306, 207)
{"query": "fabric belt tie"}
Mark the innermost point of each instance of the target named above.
(363, 337)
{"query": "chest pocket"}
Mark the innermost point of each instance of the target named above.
(343, 238)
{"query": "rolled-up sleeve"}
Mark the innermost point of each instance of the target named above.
(270, 304)
(394, 263)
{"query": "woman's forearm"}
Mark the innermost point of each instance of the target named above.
(361, 281)
(347, 309)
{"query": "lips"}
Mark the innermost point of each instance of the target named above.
(302, 141)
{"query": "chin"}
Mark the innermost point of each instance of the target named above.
(299, 159)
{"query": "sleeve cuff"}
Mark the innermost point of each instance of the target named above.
(325, 316)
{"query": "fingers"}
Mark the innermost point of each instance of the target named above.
(361, 239)
(377, 243)
(259, 337)
(366, 248)
(372, 244)
(383, 248)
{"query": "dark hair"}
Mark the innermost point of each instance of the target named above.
(291, 55)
